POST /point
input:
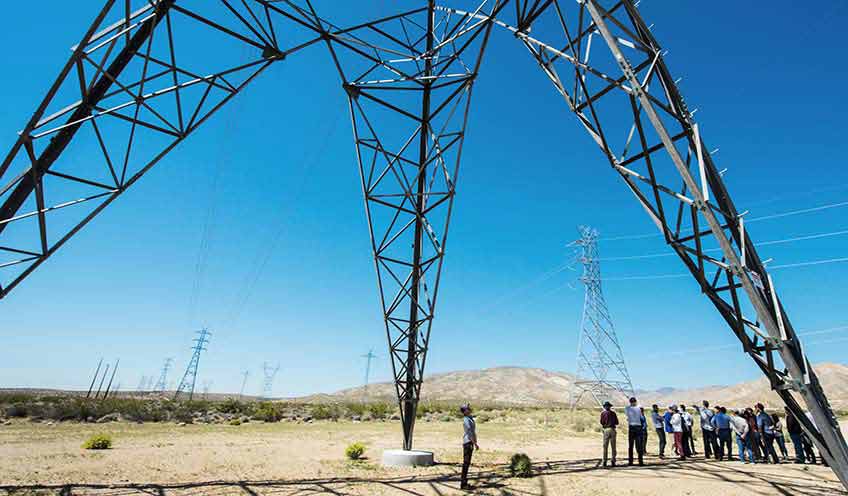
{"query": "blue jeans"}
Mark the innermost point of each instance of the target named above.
(744, 445)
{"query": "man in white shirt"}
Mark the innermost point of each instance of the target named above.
(677, 427)
(634, 431)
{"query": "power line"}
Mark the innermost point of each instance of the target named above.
(773, 267)
(764, 243)
(755, 219)
(263, 257)
(732, 346)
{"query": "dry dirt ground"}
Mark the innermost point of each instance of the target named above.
(304, 459)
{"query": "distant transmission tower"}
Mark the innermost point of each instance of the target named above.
(190, 377)
(270, 373)
(162, 383)
(94, 379)
(246, 374)
(368, 357)
(206, 386)
(142, 384)
(600, 363)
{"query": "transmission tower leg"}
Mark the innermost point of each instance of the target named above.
(408, 166)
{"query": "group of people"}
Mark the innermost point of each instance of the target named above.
(756, 432)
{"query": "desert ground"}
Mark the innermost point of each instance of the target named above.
(290, 458)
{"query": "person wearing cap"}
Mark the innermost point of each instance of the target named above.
(609, 422)
(659, 427)
(469, 443)
(708, 430)
(634, 431)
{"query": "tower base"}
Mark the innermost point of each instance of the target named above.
(407, 458)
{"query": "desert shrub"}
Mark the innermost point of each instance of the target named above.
(355, 451)
(6, 398)
(17, 410)
(520, 465)
(235, 422)
(98, 442)
(234, 406)
(182, 413)
(356, 408)
(268, 412)
(326, 412)
(581, 424)
(379, 410)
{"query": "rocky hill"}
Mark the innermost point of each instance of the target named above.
(536, 387)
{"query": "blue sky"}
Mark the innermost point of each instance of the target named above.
(121, 289)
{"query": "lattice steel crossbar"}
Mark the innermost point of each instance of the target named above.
(134, 89)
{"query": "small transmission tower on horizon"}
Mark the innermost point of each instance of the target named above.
(268, 384)
(245, 375)
(189, 380)
(601, 370)
(368, 357)
(162, 383)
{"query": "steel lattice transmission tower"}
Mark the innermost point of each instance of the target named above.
(162, 383)
(245, 375)
(409, 79)
(368, 357)
(601, 370)
(269, 373)
(189, 379)
(140, 80)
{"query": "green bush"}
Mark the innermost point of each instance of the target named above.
(520, 465)
(380, 410)
(234, 406)
(235, 422)
(98, 442)
(355, 451)
(268, 412)
(352, 409)
(326, 412)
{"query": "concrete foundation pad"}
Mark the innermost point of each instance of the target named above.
(407, 458)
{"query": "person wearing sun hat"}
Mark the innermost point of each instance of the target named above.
(609, 422)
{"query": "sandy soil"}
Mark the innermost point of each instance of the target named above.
(302, 459)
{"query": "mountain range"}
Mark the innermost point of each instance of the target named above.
(538, 387)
